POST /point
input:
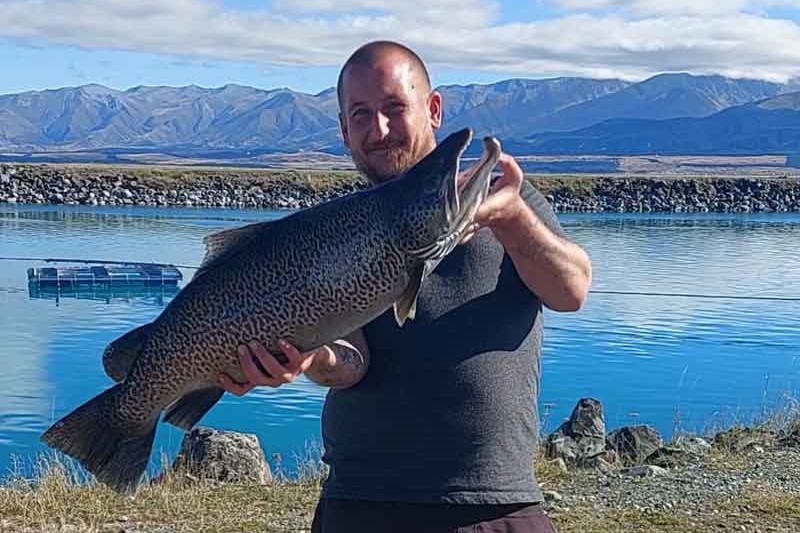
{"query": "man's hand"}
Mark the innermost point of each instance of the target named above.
(503, 200)
(253, 354)
(555, 269)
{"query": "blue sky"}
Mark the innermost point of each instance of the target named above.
(300, 43)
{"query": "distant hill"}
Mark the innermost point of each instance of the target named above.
(662, 97)
(93, 117)
(229, 121)
(513, 108)
(770, 126)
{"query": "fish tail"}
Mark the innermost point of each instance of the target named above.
(117, 456)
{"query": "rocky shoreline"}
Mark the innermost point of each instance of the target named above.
(231, 188)
(628, 479)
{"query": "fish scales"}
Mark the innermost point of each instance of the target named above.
(310, 278)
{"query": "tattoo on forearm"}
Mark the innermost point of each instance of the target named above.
(349, 368)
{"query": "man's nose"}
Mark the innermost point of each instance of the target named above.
(380, 126)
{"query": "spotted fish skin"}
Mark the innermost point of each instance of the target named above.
(310, 278)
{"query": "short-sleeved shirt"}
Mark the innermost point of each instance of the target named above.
(447, 411)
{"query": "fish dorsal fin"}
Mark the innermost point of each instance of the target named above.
(119, 355)
(225, 243)
(406, 306)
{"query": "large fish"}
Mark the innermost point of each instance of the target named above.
(310, 278)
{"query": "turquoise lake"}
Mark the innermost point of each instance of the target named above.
(690, 363)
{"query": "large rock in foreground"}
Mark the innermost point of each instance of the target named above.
(634, 444)
(581, 440)
(224, 456)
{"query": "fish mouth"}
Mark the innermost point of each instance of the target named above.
(464, 192)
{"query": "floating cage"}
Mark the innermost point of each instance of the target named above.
(117, 276)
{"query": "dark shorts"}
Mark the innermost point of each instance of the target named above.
(355, 516)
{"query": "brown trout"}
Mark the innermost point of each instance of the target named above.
(311, 277)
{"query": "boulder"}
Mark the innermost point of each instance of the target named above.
(634, 444)
(790, 437)
(580, 441)
(224, 456)
(742, 439)
(685, 450)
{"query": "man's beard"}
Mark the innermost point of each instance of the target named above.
(396, 160)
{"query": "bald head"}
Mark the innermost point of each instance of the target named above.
(373, 53)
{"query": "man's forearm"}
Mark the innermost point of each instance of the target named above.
(558, 271)
(338, 365)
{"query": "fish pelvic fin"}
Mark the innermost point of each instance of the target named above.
(119, 355)
(116, 457)
(406, 306)
(187, 410)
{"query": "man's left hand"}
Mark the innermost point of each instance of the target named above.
(503, 200)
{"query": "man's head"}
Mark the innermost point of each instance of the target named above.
(388, 112)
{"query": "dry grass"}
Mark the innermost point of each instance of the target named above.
(774, 512)
(58, 499)
(587, 520)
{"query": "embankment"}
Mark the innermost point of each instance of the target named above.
(238, 188)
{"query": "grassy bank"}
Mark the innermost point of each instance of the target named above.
(57, 501)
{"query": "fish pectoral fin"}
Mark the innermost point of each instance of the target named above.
(187, 410)
(406, 306)
(119, 355)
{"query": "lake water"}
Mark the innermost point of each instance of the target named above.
(668, 361)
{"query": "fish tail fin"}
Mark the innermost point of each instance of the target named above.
(116, 456)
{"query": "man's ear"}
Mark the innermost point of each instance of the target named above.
(345, 133)
(435, 109)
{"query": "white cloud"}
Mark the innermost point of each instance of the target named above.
(731, 39)
(676, 7)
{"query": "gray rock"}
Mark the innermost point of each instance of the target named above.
(693, 445)
(580, 441)
(223, 456)
(645, 471)
(634, 444)
(739, 439)
(552, 496)
(790, 437)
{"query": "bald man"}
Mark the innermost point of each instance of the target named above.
(433, 426)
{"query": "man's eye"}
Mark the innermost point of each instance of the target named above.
(396, 108)
(359, 113)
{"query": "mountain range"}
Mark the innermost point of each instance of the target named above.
(668, 113)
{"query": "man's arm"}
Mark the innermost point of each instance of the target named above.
(558, 271)
(340, 364)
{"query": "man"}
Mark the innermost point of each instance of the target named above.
(433, 426)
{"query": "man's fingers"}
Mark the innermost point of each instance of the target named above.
(295, 358)
(251, 372)
(237, 389)
(277, 371)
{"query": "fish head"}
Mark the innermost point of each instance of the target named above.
(438, 201)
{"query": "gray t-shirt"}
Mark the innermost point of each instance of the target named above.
(447, 411)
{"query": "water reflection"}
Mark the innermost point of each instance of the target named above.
(157, 295)
(653, 360)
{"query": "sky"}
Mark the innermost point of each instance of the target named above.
(300, 44)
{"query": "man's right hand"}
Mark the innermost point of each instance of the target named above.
(277, 373)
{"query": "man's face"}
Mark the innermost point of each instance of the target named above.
(388, 116)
